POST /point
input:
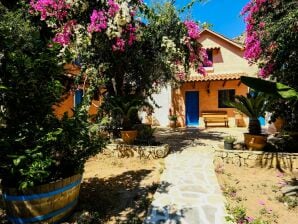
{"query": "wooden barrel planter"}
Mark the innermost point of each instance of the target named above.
(48, 203)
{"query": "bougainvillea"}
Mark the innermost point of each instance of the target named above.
(126, 46)
(272, 43)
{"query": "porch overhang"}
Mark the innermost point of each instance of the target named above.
(214, 77)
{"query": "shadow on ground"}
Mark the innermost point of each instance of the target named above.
(107, 198)
(181, 138)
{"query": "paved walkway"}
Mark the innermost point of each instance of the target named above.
(189, 192)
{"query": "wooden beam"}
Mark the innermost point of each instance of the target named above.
(224, 83)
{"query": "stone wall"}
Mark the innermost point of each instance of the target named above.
(148, 152)
(284, 161)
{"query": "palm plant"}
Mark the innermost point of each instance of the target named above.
(253, 107)
(126, 108)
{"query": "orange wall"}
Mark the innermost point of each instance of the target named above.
(67, 105)
(207, 101)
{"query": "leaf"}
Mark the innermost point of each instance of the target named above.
(18, 160)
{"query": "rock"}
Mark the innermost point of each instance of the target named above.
(289, 189)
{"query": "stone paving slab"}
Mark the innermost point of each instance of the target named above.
(189, 192)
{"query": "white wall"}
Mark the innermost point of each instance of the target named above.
(163, 99)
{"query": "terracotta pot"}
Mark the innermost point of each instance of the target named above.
(279, 123)
(48, 203)
(129, 136)
(173, 124)
(255, 142)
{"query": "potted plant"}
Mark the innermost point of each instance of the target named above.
(253, 107)
(173, 120)
(125, 109)
(41, 158)
(229, 142)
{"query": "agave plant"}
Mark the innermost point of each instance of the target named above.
(253, 107)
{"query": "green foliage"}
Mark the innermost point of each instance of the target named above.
(36, 147)
(230, 139)
(173, 117)
(237, 214)
(253, 107)
(125, 109)
(283, 99)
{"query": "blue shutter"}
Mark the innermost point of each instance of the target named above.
(78, 98)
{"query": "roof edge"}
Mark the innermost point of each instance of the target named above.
(224, 38)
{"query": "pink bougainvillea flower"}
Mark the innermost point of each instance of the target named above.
(99, 21)
(64, 37)
(119, 45)
(262, 202)
(113, 8)
(50, 8)
(192, 29)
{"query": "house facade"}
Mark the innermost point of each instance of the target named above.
(198, 93)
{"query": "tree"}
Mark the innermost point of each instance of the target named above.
(272, 42)
(35, 147)
(126, 46)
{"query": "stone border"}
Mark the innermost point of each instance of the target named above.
(147, 152)
(284, 161)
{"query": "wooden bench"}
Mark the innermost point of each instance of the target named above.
(215, 117)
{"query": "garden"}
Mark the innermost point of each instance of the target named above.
(52, 167)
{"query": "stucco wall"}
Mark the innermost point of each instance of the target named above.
(208, 100)
(228, 58)
(163, 99)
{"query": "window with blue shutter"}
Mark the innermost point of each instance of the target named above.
(78, 98)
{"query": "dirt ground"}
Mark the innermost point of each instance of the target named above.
(259, 191)
(117, 190)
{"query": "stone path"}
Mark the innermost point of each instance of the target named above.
(189, 192)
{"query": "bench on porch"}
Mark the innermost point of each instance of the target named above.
(215, 117)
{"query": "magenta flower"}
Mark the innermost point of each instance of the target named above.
(119, 45)
(114, 8)
(192, 29)
(98, 21)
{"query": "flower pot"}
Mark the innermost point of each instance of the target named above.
(129, 136)
(255, 142)
(48, 203)
(279, 123)
(228, 145)
(173, 123)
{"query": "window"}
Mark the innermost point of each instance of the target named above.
(78, 97)
(225, 95)
(210, 55)
(210, 58)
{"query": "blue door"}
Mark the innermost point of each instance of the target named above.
(192, 108)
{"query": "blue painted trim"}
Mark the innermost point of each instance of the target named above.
(42, 217)
(39, 196)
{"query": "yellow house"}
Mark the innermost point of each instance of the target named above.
(198, 93)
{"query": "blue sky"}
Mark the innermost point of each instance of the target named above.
(224, 15)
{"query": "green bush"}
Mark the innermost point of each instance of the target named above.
(36, 147)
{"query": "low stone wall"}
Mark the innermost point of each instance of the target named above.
(284, 161)
(147, 152)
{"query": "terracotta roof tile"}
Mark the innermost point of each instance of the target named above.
(214, 77)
